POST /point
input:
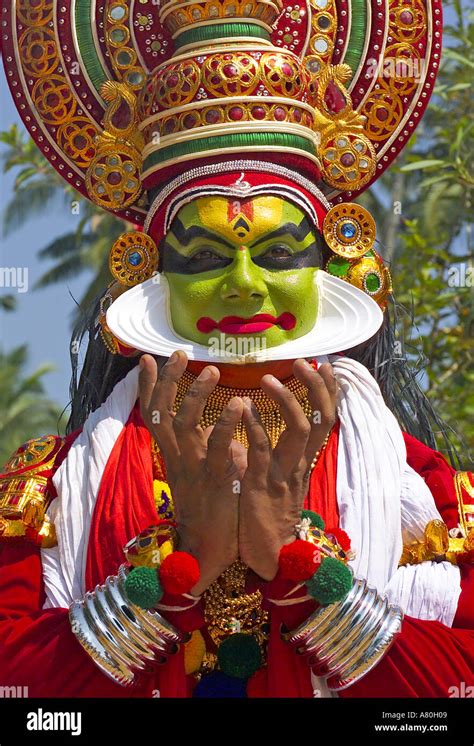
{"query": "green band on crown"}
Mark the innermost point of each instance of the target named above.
(355, 45)
(221, 31)
(223, 142)
(85, 40)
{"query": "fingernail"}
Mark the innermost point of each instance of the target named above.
(204, 375)
(276, 382)
(141, 363)
(234, 403)
(247, 402)
(174, 358)
(308, 365)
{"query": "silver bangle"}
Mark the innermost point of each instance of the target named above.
(121, 638)
(345, 640)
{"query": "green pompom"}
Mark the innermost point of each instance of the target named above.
(143, 588)
(315, 519)
(331, 582)
(239, 655)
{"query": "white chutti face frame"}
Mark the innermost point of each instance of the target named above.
(347, 317)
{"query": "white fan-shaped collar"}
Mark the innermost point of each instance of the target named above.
(346, 317)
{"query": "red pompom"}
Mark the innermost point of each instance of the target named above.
(257, 685)
(179, 572)
(299, 560)
(341, 537)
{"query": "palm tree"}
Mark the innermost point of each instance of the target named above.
(37, 186)
(25, 410)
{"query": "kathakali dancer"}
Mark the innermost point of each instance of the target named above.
(247, 509)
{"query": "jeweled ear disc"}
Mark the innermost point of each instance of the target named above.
(370, 275)
(349, 230)
(133, 258)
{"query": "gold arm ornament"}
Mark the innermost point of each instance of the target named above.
(24, 493)
(438, 545)
(462, 483)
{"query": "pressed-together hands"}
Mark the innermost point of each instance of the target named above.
(248, 501)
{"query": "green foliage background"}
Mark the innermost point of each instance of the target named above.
(423, 208)
(423, 213)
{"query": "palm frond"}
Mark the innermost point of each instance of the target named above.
(70, 267)
(25, 410)
(28, 202)
(65, 244)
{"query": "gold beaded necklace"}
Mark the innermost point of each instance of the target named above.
(269, 411)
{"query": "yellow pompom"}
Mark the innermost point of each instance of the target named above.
(194, 652)
(166, 549)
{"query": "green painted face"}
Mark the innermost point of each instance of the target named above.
(242, 269)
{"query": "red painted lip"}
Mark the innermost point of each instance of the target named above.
(239, 325)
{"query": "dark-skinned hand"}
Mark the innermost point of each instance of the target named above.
(276, 480)
(202, 468)
(231, 502)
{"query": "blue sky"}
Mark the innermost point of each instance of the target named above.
(42, 318)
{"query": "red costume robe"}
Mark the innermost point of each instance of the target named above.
(38, 649)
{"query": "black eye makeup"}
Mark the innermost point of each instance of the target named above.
(205, 254)
(205, 259)
(281, 256)
(277, 252)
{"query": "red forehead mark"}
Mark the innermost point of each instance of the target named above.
(247, 208)
(239, 207)
(241, 248)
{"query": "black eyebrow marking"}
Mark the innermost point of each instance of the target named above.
(297, 231)
(186, 235)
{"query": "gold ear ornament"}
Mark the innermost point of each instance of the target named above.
(133, 258)
(349, 230)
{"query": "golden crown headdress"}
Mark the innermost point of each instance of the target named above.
(121, 95)
(132, 100)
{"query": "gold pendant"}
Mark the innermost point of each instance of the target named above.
(229, 610)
